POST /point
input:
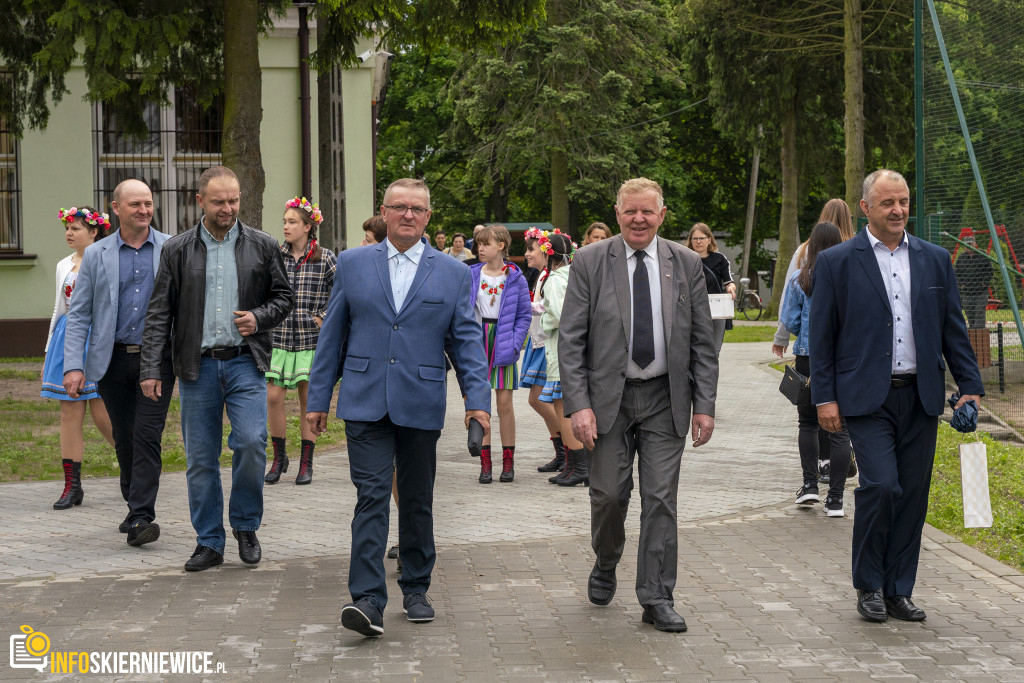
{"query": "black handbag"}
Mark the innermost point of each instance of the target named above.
(796, 387)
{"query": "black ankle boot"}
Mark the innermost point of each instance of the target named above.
(73, 494)
(579, 473)
(280, 463)
(558, 462)
(566, 467)
(485, 465)
(508, 454)
(305, 475)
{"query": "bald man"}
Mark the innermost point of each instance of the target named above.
(111, 297)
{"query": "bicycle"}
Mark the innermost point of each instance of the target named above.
(748, 302)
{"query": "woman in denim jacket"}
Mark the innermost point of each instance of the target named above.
(796, 309)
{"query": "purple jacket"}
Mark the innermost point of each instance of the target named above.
(513, 314)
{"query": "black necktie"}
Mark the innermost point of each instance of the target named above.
(643, 320)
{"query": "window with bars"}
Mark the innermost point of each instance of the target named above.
(10, 187)
(183, 141)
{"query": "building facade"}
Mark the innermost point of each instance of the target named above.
(81, 156)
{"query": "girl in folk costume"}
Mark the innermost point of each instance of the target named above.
(559, 250)
(82, 227)
(310, 270)
(534, 374)
(501, 299)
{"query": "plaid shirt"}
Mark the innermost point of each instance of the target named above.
(312, 284)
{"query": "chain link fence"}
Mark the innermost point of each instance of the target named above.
(985, 61)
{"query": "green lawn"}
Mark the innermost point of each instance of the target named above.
(750, 333)
(1005, 540)
(30, 447)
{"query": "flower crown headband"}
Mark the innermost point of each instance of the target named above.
(303, 204)
(100, 220)
(544, 240)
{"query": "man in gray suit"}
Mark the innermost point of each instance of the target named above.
(637, 355)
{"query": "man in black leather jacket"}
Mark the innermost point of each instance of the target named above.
(220, 291)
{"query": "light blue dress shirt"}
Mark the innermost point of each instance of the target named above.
(219, 329)
(895, 269)
(402, 267)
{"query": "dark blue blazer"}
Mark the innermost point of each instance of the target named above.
(394, 362)
(851, 328)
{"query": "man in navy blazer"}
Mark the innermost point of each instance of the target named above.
(111, 297)
(885, 323)
(390, 310)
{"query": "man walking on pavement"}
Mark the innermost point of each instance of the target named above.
(886, 321)
(637, 356)
(112, 293)
(391, 309)
(220, 292)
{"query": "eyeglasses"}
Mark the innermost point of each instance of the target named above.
(698, 239)
(402, 208)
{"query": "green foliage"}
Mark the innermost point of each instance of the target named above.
(1005, 540)
(132, 53)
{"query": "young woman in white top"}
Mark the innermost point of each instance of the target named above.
(82, 227)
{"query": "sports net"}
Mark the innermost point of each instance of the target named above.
(986, 55)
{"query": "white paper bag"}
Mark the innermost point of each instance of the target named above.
(721, 306)
(974, 481)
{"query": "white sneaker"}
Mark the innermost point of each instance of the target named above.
(834, 507)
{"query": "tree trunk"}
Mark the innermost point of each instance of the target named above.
(243, 105)
(559, 195)
(748, 228)
(853, 99)
(789, 226)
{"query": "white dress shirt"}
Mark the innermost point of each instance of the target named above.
(895, 269)
(402, 267)
(659, 366)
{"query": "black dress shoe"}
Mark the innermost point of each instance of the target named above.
(363, 616)
(900, 607)
(248, 546)
(142, 532)
(664, 618)
(203, 558)
(393, 552)
(601, 586)
(871, 605)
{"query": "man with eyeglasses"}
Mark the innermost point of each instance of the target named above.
(392, 306)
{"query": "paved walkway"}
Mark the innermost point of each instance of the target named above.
(764, 586)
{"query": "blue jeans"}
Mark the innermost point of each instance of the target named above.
(240, 386)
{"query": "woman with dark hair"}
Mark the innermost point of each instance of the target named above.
(835, 211)
(559, 250)
(458, 248)
(702, 241)
(310, 270)
(374, 230)
(796, 309)
(82, 226)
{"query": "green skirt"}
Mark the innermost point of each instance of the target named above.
(288, 368)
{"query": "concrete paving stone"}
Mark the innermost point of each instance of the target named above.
(756, 576)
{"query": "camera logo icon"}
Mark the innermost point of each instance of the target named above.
(29, 649)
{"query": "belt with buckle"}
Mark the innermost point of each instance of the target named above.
(128, 348)
(226, 352)
(897, 381)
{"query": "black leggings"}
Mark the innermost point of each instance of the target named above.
(840, 450)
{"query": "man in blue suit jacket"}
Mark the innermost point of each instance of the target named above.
(392, 306)
(885, 322)
(111, 297)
